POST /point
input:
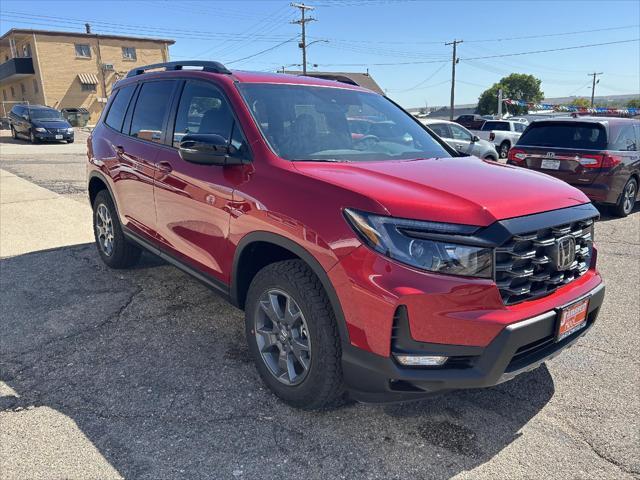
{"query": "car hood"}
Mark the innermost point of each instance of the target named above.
(51, 124)
(464, 190)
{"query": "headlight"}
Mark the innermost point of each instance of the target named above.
(404, 241)
(40, 129)
(69, 130)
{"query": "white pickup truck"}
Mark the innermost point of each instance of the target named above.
(502, 133)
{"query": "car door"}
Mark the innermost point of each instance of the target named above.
(193, 201)
(136, 150)
(461, 140)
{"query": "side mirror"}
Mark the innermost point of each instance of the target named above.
(475, 139)
(207, 149)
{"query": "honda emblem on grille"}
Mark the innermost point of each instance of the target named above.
(550, 154)
(563, 252)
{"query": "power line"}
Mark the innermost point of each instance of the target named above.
(263, 51)
(415, 87)
(559, 34)
(551, 50)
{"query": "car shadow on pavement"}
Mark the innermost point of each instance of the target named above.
(152, 367)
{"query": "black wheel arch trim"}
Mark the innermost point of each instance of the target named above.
(302, 253)
(100, 176)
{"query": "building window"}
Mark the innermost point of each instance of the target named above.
(129, 53)
(13, 92)
(23, 89)
(88, 87)
(83, 50)
(35, 86)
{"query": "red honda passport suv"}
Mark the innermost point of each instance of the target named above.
(380, 268)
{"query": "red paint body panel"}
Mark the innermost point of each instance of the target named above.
(200, 214)
(456, 190)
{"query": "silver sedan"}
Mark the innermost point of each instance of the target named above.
(461, 139)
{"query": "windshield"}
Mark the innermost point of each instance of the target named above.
(42, 114)
(335, 124)
(582, 136)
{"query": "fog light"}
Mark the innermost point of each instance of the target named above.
(421, 360)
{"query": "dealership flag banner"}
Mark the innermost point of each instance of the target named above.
(572, 108)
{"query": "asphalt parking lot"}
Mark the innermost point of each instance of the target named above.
(145, 373)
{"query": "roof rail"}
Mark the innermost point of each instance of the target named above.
(214, 67)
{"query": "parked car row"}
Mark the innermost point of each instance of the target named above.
(38, 123)
(502, 133)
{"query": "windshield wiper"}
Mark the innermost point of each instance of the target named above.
(331, 160)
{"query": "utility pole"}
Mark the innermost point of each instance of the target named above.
(454, 60)
(593, 86)
(302, 22)
(499, 103)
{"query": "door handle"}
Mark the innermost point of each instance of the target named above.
(165, 167)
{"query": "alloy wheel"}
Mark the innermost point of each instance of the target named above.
(104, 229)
(282, 337)
(629, 197)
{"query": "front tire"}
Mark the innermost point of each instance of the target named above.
(293, 336)
(32, 138)
(114, 248)
(627, 199)
(14, 134)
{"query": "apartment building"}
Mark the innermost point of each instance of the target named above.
(69, 69)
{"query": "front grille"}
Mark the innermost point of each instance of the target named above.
(55, 131)
(524, 268)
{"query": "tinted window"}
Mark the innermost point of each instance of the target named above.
(315, 123)
(519, 127)
(491, 125)
(151, 109)
(119, 107)
(590, 136)
(441, 129)
(625, 139)
(202, 110)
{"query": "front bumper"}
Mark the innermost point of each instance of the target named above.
(518, 348)
(51, 137)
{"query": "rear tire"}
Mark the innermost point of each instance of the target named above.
(627, 199)
(291, 286)
(114, 248)
(504, 149)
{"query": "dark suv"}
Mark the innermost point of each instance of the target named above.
(600, 156)
(380, 267)
(39, 124)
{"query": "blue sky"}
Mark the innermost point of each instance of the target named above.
(368, 34)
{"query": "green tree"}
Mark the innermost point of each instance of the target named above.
(581, 102)
(517, 86)
(633, 103)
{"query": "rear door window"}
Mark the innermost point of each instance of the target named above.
(119, 106)
(572, 135)
(149, 116)
(519, 127)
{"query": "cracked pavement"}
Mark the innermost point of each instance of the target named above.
(145, 374)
